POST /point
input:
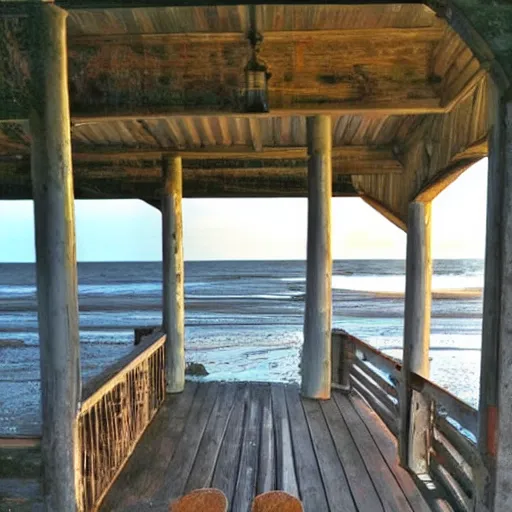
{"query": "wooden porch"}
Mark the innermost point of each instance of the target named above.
(246, 439)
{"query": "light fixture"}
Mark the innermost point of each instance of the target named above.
(256, 78)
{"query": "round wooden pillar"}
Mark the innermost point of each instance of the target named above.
(316, 352)
(52, 183)
(173, 274)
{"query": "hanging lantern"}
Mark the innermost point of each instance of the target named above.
(256, 79)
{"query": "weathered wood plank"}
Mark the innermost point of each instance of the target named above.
(361, 485)
(457, 498)
(144, 471)
(248, 468)
(310, 483)
(392, 496)
(460, 442)
(202, 471)
(388, 417)
(388, 447)
(228, 459)
(335, 481)
(175, 477)
(389, 388)
(367, 379)
(267, 461)
(454, 463)
(221, 435)
(286, 479)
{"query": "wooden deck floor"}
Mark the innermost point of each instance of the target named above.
(249, 438)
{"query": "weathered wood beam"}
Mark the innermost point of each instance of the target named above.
(57, 290)
(431, 34)
(346, 153)
(407, 107)
(316, 350)
(13, 7)
(16, 184)
(415, 411)
(459, 163)
(495, 407)
(173, 274)
(367, 71)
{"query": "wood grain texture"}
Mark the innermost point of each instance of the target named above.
(228, 460)
(221, 430)
(431, 153)
(173, 274)
(316, 349)
(56, 271)
(308, 473)
(387, 487)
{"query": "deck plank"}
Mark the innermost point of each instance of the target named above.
(389, 449)
(247, 438)
(143, 472)
(361, 485)
(266, 468)
(333, 475)
(286, 479)
(311, 487)
(389, 491)
(228, 460)
(181, 463)
(202, 470)
(248, 469)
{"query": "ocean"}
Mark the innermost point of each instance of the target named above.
(243, 321)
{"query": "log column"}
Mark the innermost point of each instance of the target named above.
(415, 412)
(52, 182)
(316, 352)
(494, 480)
(173, 274)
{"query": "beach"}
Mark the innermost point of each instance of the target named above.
(243, 321)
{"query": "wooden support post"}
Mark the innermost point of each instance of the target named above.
(316, 352)
(173, 274)
(343, 353)
(52, 185)
(494, 480)
(415, 411)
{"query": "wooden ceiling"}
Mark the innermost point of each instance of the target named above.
(148, 81)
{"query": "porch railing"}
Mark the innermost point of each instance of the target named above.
(116, 408)
(453, 458)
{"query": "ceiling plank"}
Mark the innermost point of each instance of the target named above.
(105, 153)
(424, 34)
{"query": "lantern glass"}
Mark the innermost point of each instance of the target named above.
(256, 86)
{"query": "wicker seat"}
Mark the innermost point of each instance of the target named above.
(201, 500)
(276, 501)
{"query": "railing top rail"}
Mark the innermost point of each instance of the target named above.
(95, 388)
(389, 361)
(456, 408)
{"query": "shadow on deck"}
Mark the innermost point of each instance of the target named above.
(246, 439)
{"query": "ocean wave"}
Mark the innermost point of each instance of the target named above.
(263, 296)
(443, 285)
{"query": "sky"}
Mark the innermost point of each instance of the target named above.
(218, 229)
